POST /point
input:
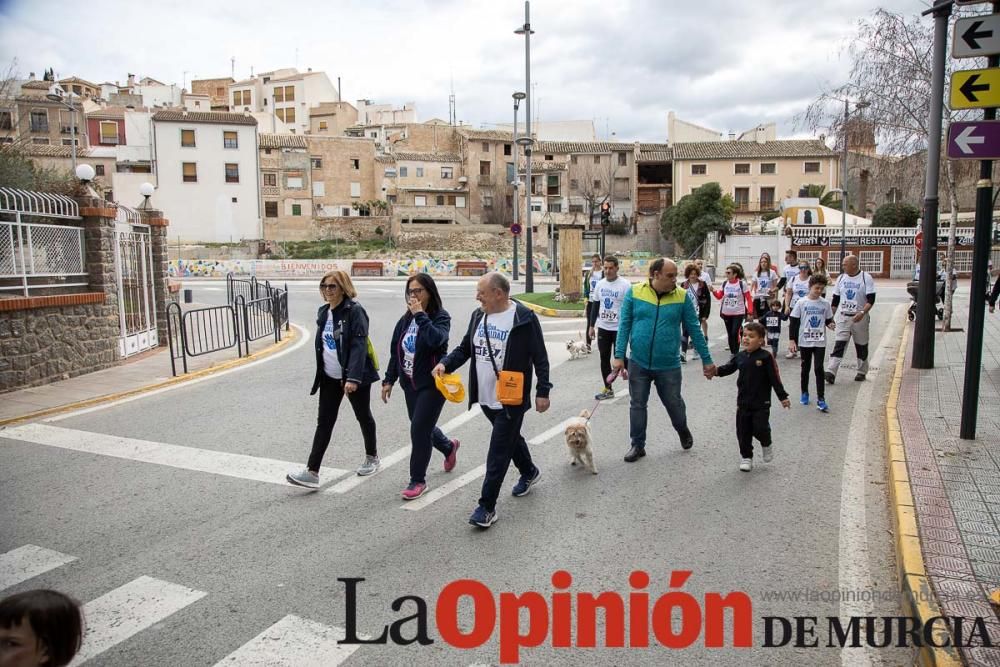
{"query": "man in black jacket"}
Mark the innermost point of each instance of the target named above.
(758, 376)
(502, 336)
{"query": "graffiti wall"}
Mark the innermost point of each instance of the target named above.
(393, 265)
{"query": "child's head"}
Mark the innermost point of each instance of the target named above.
(817, 284)
(774, 304)
(754, 335)
(40, 627)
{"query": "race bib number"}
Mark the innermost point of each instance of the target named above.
(730, 303)
(609, 316)
(849, 307)
(812, 335)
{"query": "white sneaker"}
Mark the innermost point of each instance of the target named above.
(370, 466)
(768, 454)
(790, 355)
(305, 478)
(746, 465)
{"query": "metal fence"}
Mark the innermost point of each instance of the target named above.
(35, 255)
(254, 311)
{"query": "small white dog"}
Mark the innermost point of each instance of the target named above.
(577, 348)
(578, 441)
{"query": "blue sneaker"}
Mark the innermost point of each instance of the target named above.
(483, 517)
(524, 484)
(822, 406)
(804, 400)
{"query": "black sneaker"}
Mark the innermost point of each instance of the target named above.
(482, 517)
(687, 440)
(634, 454)
(831, 378)
(524, 484)
(860, 377)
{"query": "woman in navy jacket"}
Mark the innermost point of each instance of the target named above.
(343, 368)
(419, 342)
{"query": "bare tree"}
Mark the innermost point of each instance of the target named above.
(595, 182)
(891, 57)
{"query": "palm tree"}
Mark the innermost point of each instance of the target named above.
(828, 199)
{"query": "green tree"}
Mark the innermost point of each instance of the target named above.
(895, 215)
(690, 220)
(828, 199)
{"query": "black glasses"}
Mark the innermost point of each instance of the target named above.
(415, 291)
(329, 286)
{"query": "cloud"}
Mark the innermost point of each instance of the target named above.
(727, 64)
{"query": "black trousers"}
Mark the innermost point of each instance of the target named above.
(734, 325)
(759, 306)
(331, 394)
(591, 305)
(424, 408)
(606, 346)
(752, 424)
(506, 445)
(813, 356)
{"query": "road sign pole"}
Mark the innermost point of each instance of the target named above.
(980, 283)
(923, 330)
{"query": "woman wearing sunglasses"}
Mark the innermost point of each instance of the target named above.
(343, 367)
(419, 342)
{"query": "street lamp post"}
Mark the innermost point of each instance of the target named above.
(55, 94)
(526, 141)
(517, 181)
(843, 182)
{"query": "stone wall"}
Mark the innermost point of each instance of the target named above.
(42, 345)
(351, 228)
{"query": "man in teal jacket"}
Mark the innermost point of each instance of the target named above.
(650, 330)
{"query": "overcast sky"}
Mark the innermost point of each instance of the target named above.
(725, 64)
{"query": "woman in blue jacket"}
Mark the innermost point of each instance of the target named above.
(343, 368)
(419, 342)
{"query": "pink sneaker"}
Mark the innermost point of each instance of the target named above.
(452, 459)
(414, 490)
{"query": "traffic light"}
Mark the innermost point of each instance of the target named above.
(605, 213)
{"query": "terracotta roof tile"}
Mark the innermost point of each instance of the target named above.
(723, 150)
(588, 147)
(428, 157)
(45, 150)
(37, 85)
(655, 153)
(486, 135)
(223, 118)
(283, 141)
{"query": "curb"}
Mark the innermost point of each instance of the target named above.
(293, 335)
(918, 599)
(550, 312)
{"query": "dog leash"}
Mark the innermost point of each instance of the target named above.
(610, 379)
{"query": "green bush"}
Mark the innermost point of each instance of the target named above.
(896, 215)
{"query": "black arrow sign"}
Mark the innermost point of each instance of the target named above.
(973, 35)
(969, 88)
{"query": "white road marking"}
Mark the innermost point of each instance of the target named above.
(552, 432)
(443, 490)
(240, 466)
(402, 453)
(855, 573)
(303, 339)
(128, 610)
(293, 642)
(28, 562)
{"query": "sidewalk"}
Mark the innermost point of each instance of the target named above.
(954, 483)
(144, 372)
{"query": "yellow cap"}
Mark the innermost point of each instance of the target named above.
(450, 384)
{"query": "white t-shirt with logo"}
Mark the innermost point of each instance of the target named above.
(765, 281)
(853, 292)
(595, 277)
(331, 364)
(812, 314)
(790, 271)
(499, 326)
(409, 345)
(611, 295)
(799, 287)
(733, 300)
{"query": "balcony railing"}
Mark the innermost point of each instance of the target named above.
(109, 141)
(68, 129)
(40, 127)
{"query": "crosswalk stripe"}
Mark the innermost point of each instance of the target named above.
(443, 490)
(353, 482)
(552, 432)
(293, 642)
(240, 466)
(28, 562)
(128, 610)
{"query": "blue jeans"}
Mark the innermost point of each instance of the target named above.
(668, 386)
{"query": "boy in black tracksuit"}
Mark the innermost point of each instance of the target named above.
(758, 376)
(772, 319)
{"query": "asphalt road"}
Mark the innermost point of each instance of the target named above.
(253, 564)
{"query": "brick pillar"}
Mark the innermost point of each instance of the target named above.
(161, 283)
(99, 246)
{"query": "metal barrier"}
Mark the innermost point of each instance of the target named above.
(201, 331)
